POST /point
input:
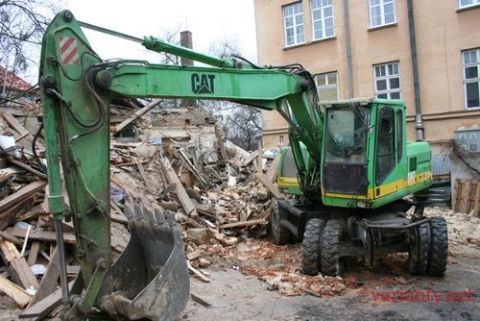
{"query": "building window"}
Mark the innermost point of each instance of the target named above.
(382, 12)
(471, 71)
(387, 80)
(327, 86)
(468, 3)
(293, 23)
(322, 19)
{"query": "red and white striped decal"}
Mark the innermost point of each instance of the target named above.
(69, 51)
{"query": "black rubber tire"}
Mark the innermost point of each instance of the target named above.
(311, 246)
(279, 234)
(330, 262)
(438, 247)
(419, 250)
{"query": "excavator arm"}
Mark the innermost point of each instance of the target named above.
(76, 89)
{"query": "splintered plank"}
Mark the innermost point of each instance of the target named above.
(243, 224)
(270, 186)
(43, 307)
(22, 194)
(18, 265)
(49, 280)
(136, 115)
(9, 216)
(40, 235)
(18, 295)
(182, 195)
(197, 273)
(272, 170)
(33, 253)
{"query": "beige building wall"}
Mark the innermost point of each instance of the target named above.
(442, 32)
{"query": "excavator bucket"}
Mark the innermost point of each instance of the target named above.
(150, 279)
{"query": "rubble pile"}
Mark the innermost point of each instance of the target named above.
(210, 184)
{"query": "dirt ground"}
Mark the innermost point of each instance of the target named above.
(256, 280)
(235, 296)
(244, 288)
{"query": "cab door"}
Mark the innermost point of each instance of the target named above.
(390, 171)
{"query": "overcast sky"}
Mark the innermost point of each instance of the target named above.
(209, 21)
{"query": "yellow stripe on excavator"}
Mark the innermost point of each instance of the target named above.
(382, 190)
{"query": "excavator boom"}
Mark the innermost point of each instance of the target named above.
(76, 89)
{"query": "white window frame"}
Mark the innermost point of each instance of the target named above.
(322, 18)
(388, 91)
(327, 84)
(471, 80)
(295, 24)
(382, 4)
(473, 4)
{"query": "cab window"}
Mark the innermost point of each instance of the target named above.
(385, 151)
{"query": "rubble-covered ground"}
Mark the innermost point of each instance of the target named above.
(245, 280)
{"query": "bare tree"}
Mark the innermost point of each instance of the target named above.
(242, 123)
(225, 48)
(22, 23)
(244, 127)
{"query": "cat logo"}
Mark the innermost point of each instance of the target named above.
(203, 84)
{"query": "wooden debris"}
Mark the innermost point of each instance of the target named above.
(198, 299)
(220, 145)
(136, 115)
(9, 216)
(26, 167)
(271, 187)
(467, 196)
(4, 235)
(197, 273)
(243, 224)
(273, 169)
(182, 195)
(19, 267)
(43, 307)
(252, 156)
(40, 234)
(22, 194)
(33, 253)
(18, 295)
(48, 284)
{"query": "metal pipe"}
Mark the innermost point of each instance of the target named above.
(62, 264)
(420, 130)
(158, 45)
(348, 48)
(110, 32)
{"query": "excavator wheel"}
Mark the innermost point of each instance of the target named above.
(311, 245)
(330, 261)
(280, 235)
(438, 247)
(419, 249)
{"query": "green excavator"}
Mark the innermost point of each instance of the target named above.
(348, 171)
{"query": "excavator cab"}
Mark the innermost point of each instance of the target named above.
(366, 141)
